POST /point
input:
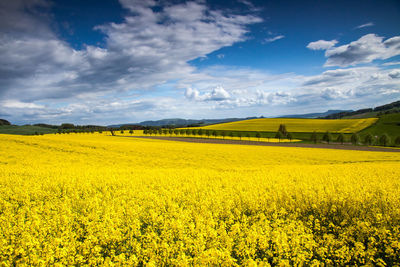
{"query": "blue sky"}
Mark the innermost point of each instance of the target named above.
(107, 62)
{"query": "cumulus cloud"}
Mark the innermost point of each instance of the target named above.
(321, 45)
(36, 65)
(217, 94)
(365, 50)
(394, 74)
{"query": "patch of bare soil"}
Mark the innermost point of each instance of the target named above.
(245, 142)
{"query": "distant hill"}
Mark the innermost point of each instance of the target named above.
(4, 122)
(177, 122)
(393, 107)
(314, 115)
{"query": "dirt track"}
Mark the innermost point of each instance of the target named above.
(244, 142)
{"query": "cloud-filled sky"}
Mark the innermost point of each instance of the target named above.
(108, 62)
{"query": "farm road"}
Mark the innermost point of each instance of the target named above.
(245, 142)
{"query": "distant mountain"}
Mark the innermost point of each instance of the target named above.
(393, 107)
(177, 122)
(314, 115)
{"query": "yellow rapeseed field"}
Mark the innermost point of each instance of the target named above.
(296, 125)
(95, 199)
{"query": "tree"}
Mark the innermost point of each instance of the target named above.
(200, 132)
(239, 135)
(214, 133)
(279, 135)
(170, 131)
(122, 131)
(340, 138)
(131, 132)
(223, 134)
(397, 141)
(368, 139)
(258, 135)
(282, 129)
(327, 137)
(384, 140)
(314, 137)
(289, 136)
(195, 132)
(231, 134)
(176, 132)
(112, 132)
(355, 138)
(248, 135)
(100, 132)
(165, 131)
(182, 131)
(160, 131)
(188, 132)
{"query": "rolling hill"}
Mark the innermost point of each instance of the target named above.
(388, 123)
(296, 125)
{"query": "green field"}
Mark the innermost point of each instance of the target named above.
(25, 129)
(389, 124)
(296, 125)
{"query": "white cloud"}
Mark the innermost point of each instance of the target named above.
(321, 45)
(393, 63)
(394, 74)
(366, 49)
(217, 94)
(369, 24)
(40, 66)
(273, 39)
(20, 105)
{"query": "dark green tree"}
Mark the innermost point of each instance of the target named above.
(223, 134)
(182, 131)
(165, 131)
(340, 138)
(231, 134)
(160, 132)
(368, 139)
(289, 136)
(397, 141)
(240, 135)
(130, 132)
(176, 132)
(314, 137)
(355, 139)
(258, 135)
(188, 132)
(248, 135)
(214, 133)
(327, 137)
(384, 140)
(112, 132)
(279, 135)
(282, 129)
(208, 133)
(200, 132)
(195, 132)
(170, 131)
(122, 131)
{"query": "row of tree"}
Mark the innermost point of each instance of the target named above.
(355, 139)
(200, 132)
